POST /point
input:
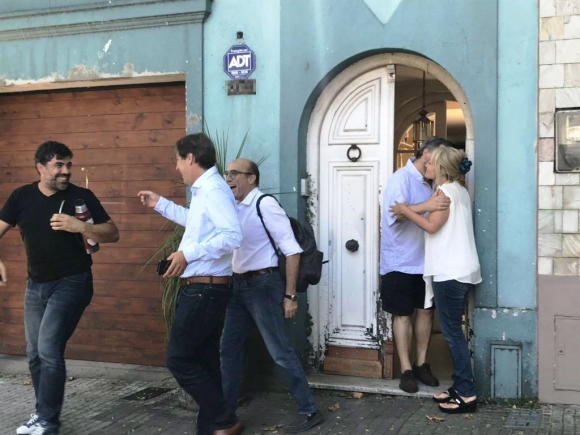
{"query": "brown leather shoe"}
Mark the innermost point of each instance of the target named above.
(236, 429)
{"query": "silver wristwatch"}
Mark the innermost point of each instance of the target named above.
(293, 298)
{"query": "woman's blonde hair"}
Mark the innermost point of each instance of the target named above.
(447, 161)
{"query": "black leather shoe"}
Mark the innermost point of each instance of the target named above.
(408, 383)
(424, 375)
(305, 422)
(236, 429)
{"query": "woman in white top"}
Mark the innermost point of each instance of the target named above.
(451, 268)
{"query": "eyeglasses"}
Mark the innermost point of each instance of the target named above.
(234, 174)
(174, 160)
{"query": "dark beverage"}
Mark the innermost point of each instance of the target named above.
(82, 213)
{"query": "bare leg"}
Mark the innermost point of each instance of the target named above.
(403, 332)
(423, 327)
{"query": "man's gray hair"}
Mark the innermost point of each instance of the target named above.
(432, 143)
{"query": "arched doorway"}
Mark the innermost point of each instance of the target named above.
(358, 108)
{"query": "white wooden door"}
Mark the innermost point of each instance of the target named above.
(350, 194)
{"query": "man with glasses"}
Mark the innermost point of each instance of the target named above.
(203, 261)
(260, 295)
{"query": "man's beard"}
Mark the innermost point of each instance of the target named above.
(57, 184)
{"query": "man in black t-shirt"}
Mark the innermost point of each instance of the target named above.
(60, 283)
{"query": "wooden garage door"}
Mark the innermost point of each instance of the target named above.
(123, 139)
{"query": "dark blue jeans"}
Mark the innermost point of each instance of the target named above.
(259, 301)
(450, 297)
(52, 311)
(193, 354)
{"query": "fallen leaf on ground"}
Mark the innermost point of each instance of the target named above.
(27, 383)
(334, 407)
(467, 416)
(272, 428)
(357, 395)
(435, 419)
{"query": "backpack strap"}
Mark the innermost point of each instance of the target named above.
(276, 249)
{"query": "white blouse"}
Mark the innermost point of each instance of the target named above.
(450, 253)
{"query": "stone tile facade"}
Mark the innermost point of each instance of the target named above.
(559, 88)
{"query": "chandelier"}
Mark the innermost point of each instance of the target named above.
(422, 127)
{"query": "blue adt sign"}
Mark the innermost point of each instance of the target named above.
(239, 62)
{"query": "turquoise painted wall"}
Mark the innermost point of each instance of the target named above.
(257, 115)
(489, 47)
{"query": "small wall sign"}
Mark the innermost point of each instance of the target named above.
(239, 62)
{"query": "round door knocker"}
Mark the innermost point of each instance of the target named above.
(351, 245)
(353, 158)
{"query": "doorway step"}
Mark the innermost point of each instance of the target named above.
(350, 361)
(371, 386)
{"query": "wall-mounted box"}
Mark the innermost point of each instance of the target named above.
(567, 131)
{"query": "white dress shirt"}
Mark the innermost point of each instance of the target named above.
(212, 228)
(256, 251)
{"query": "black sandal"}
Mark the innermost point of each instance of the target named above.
(450, 394)
(462, 406)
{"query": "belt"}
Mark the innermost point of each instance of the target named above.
(206, 280)
(252, 273)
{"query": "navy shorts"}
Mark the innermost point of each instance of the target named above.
(402, 293)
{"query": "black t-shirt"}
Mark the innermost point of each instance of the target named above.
(51, 254)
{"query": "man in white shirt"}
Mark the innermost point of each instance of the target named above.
(203, 261)
(402, 264)
(260, 295)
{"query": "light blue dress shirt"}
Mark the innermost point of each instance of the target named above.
(212, 227)
(403, 243)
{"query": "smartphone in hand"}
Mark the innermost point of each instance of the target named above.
(162, 266)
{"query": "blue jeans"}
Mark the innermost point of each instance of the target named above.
(193, 355)
(52, 311)
(259, 301)
(450, 297)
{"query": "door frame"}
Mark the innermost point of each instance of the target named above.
(318, 300)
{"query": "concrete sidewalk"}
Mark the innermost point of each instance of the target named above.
(113, 406)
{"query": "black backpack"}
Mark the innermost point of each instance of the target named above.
(310, 268)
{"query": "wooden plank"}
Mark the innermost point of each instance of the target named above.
(123, 355)
(83, 94)
(122, 190)
(17, 273)
(97, 157)
(103, 140)
(111, 338)
(108, 254)
(124, 206)
(11, 316)
(130, 289)
(122, 322)
(97, 124)
(105, 304)
(134, 239)
(92, 107)
(126, 172)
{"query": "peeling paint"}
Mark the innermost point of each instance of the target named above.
(192, 120)
(129, 70)
(494, 314)
(108, 45)
(82, 72)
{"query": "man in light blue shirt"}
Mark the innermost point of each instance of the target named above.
(402, 263)
(203, 261)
